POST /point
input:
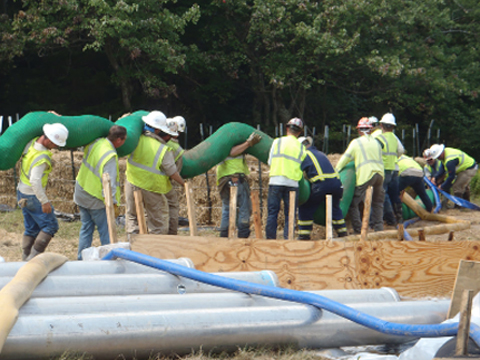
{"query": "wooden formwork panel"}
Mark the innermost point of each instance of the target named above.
(414, 268)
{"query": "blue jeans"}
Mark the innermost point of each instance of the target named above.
(90, 218)
(392, 196)
(416, 183)
(244, 209)
(34, 219)
(276, 194)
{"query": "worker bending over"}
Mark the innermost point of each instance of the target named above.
(176, 125)
(461, 168)
(366, 152)
(411, 174)
(233, 171)
(433, 168)
(149, 169)
(286, 156)
(99, 157)
(38, 213)
(323, 180)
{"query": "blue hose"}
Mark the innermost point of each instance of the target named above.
(436, 330)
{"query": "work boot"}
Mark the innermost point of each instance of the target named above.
(398, 213)
(27, 243)
(303, 237)
(41, 243)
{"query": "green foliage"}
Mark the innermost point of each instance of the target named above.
(475, 185)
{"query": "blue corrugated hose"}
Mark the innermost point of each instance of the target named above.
(436, 330)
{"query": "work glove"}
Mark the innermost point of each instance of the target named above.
(117, 210)
(254, 138)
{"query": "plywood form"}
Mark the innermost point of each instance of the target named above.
(414, 268)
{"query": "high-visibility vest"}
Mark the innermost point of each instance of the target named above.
(176, 148)
(95, 156)
(465, 161)
(433, 170)
(287, 157)
(143, 166)
(321, 164)
(33, 158)
(389, 151)
(406, 162)
(367, 154)
(232, 165)
(376, 132)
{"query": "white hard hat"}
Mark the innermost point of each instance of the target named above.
(181, 123)
(388, 119)
(373, 119)
(172, 125)
(302, 139)
(436, 150)
(158, 120)
(56, 133)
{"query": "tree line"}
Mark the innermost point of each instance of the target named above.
(259, 62)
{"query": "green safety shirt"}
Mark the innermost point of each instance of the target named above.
(34, 158)
(232, 165)
(143, 166)
(286, 158)
(389, 150)
(95, 156)
(406, 162)
(464, 161)
(366, 152)
(176, 148)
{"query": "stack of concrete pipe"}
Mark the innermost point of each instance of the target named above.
(112, 308)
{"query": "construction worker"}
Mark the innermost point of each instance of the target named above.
(323, 180)
(38, 213)
(459, 167)
(99, 157)
(285, 158)
(376, 128)
(366, 152)
(392, 148)
(411, 174)
(432, 168)
(176, 125)
(233, 171)
(150, 167)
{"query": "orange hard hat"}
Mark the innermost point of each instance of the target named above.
(364, 123)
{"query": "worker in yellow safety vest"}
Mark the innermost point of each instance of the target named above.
(459, 166)
(38, 213)
(99, 157)
(432, 168)
(392, 148)
(176, 124)
(366, 152)
(233, 171)
(150, 167)
(411, 175)
(285, 159)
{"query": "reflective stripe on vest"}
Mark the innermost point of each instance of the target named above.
(232, 165)
(32, 158)
(465, 161)
(143, 166)
(370, 161)
(176, 148)
(405, 162)
(389, 151)
(95, 156)
(321, 175)
(287, 156)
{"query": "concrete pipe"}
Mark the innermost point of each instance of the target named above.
(125, 303)
(142, 334)
(94, 267)
(161, 283)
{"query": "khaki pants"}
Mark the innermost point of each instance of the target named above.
(156, 207)
(378, 196)
(462, 181)
(173, 208)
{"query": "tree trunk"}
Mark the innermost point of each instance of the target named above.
(124, 85)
